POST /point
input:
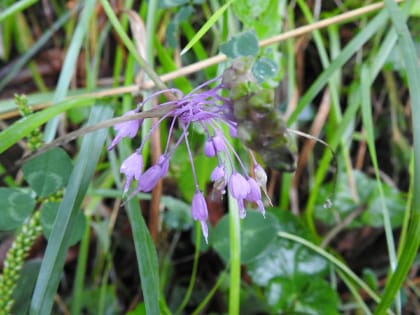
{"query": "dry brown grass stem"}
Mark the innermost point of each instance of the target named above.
(341, 18)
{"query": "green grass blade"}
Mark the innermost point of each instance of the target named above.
(24, 126)
(35, 48)
(337, 263)
(53, 262)
(352, 47)
(15, 8)
(203, 30)
(370, 139)
(69, 65)
(410, 247)
(129, 44)
(146, 257)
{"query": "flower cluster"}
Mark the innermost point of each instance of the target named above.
(213, 112)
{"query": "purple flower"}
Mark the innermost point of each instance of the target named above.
(238, 186)
(209, 149)
(217, 173)
(219, 143)
(241, 207)
(207, 108)
(150, 178)
(163, 161)
(126, 129)
(254, 190)
(255, 195)
(199, 211)
(132, 168)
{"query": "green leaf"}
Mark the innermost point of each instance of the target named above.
(243, 44)
(177, 215)
(282, 258)
(209, 23)
(264, 16)
(172, 3)
(15, 207)
(257, 233)
(302, 295)
(24, 126)
(49, 212)
(369, 197)
(48, 172)
(146, 258)
(25, 286)
(80, 179)
(264, 68)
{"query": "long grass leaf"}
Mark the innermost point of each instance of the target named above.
(336, 262)
(370, 139)
(351, 48)
(146, 257)
(410, 247)
(16, 7)
(53, 262)
(24, 126)
(209, 23)
(18, 65)
(69, 65)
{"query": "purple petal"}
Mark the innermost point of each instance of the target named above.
(254, 192)
(209, 149)
(218, 173)
(238, 186)
(219, 143)
(199, 207)
(163, 161)
(150, 178)
(132, 168)
(241, 207)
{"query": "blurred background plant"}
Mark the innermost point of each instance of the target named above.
(341, 236)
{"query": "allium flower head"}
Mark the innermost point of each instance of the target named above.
(213, 113)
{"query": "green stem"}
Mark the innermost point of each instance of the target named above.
(194, 270)
(235, 257)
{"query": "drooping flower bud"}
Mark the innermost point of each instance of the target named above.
(132, 168)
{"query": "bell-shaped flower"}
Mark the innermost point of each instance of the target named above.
(218, 173)
(132, 168)
(126, 129)
(219, 143)
(209, 149)
(163, 161)
(238, 186)
(150, 178)
(199, 212)
(254, 195)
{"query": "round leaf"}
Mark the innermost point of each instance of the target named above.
(302, 295)
(264, 68)
(243, 44)
(15, 207)
(48, 172)
(257, 233)
(283, 258)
